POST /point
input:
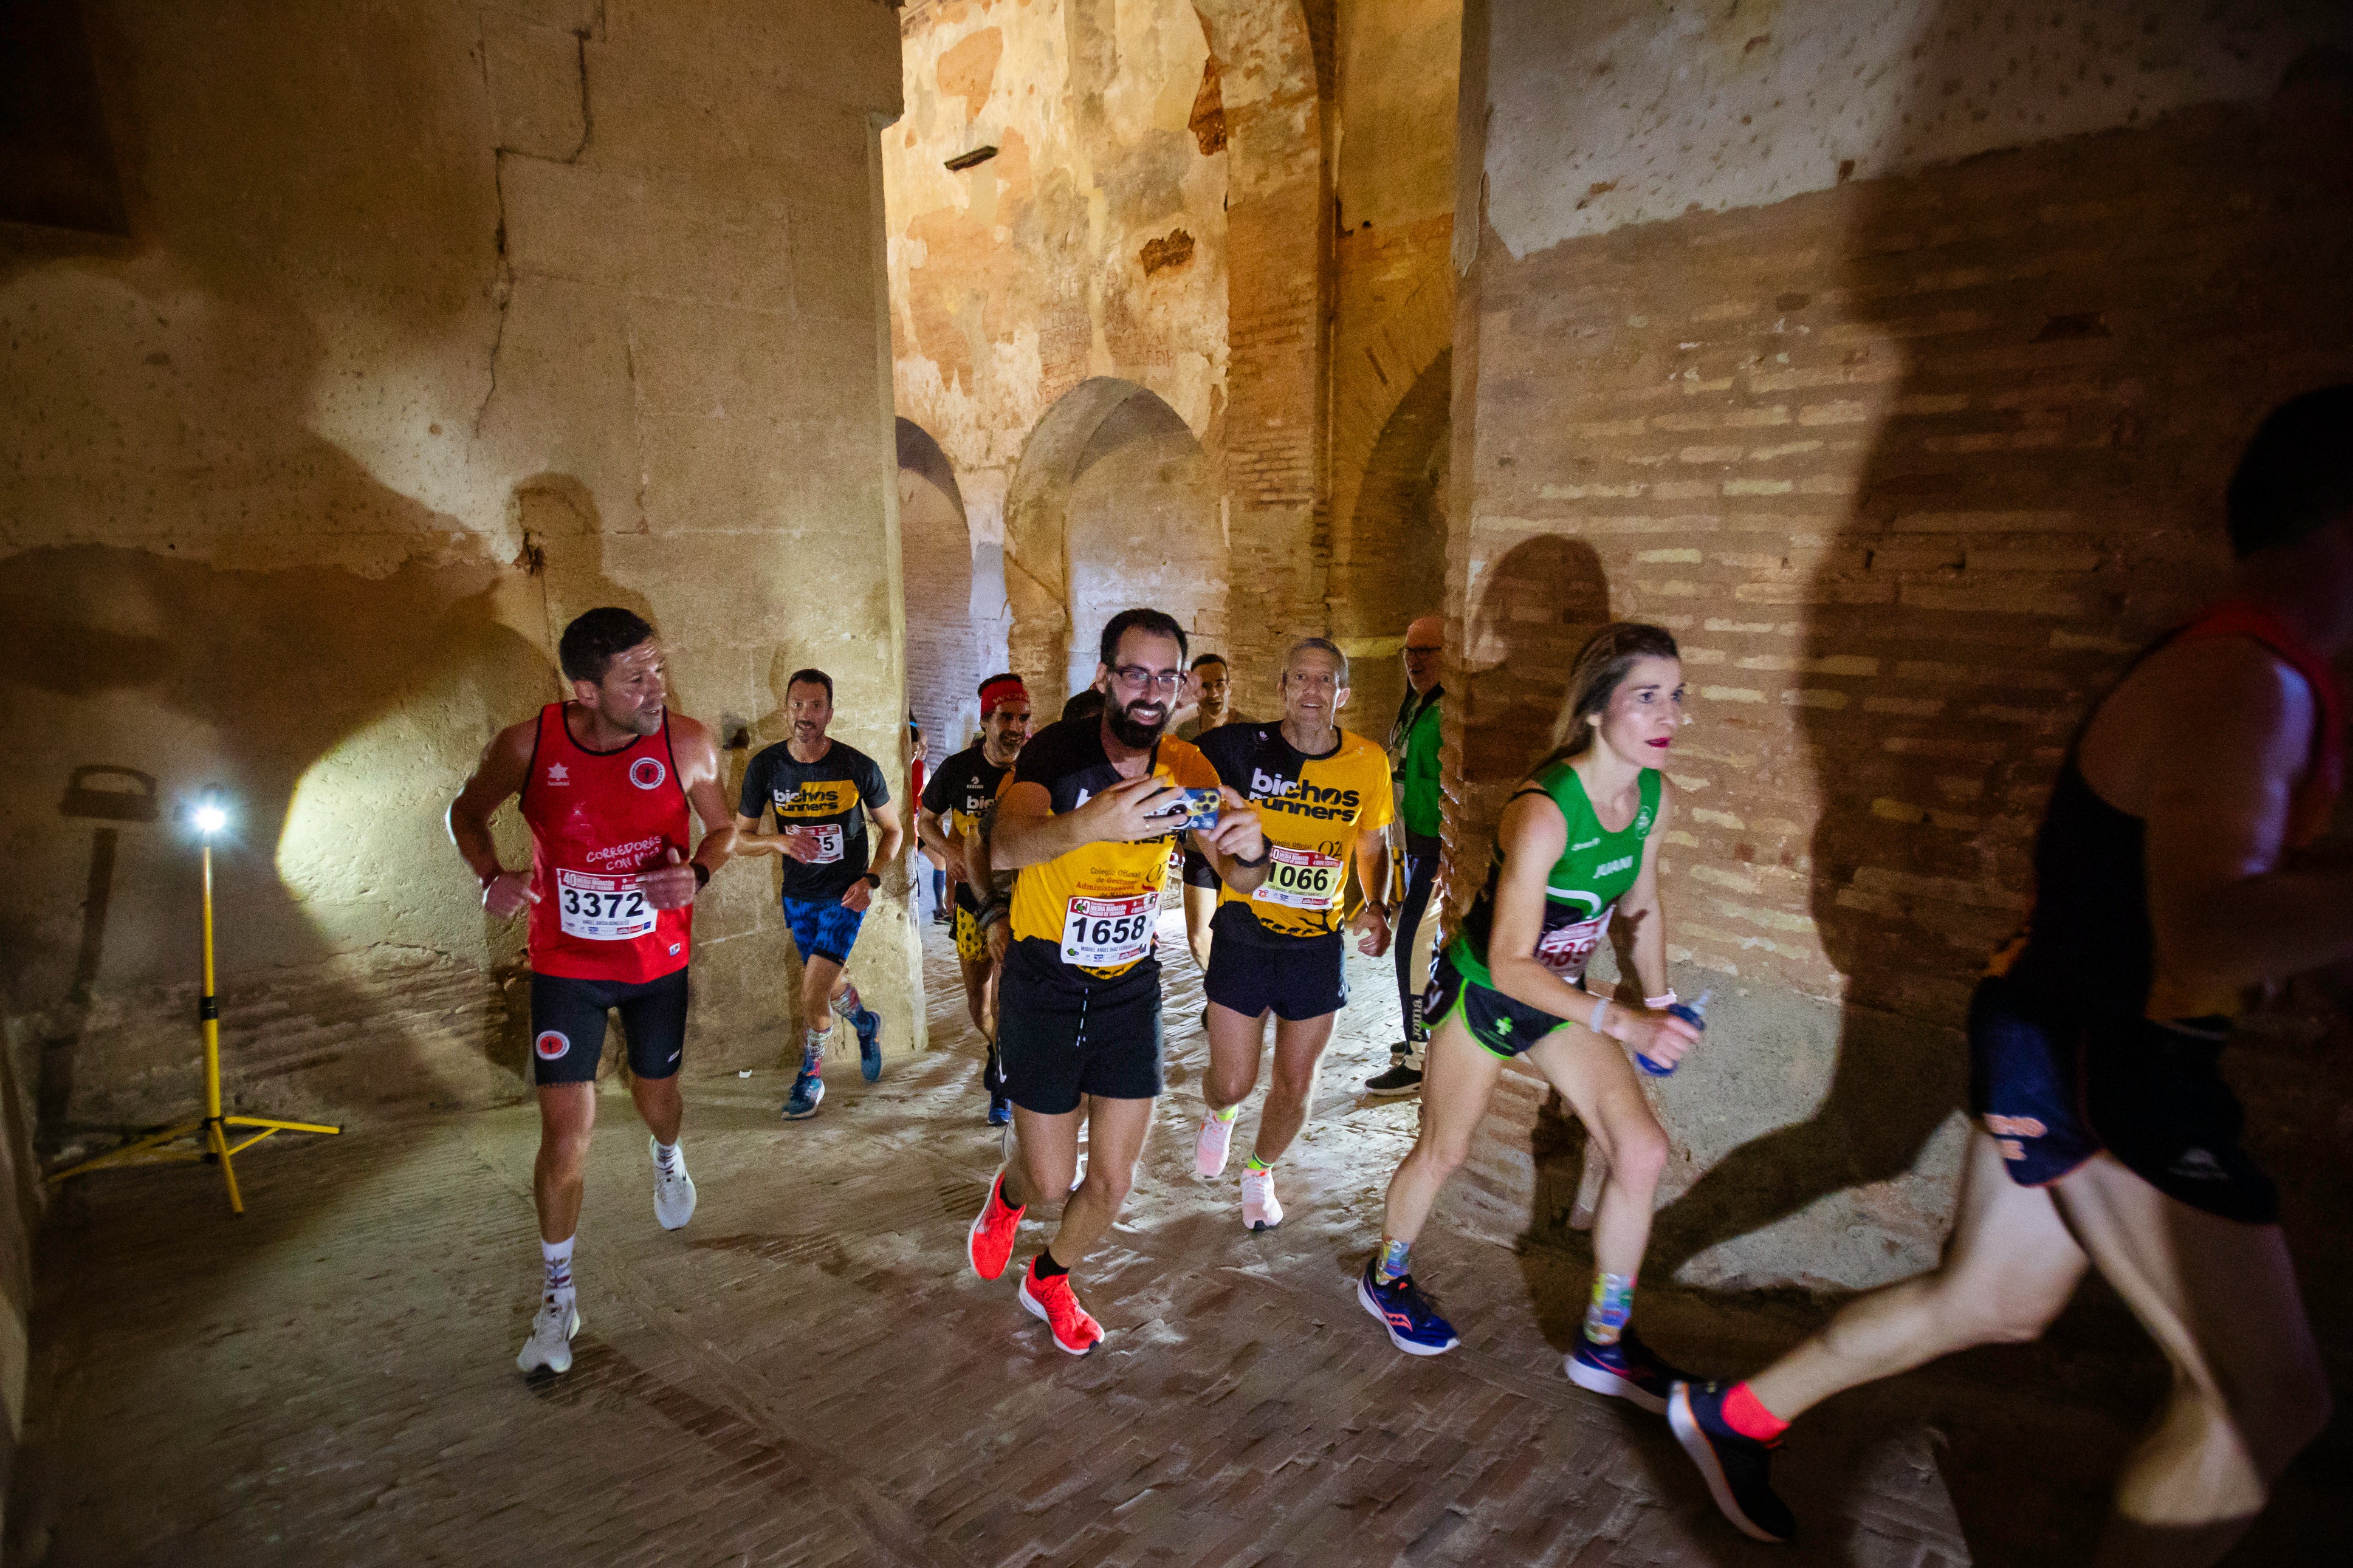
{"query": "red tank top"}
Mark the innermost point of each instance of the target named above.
(597, 818)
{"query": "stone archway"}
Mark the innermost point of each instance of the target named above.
(947, 628)
(1388, 557)
(1114, 503)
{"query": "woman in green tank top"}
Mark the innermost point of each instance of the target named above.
(1578, 846)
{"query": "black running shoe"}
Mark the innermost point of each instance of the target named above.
(1735, 1467)
(1399, 1079)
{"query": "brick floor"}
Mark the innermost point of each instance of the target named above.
(809, 1375)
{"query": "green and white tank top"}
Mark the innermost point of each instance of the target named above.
(1595, 868)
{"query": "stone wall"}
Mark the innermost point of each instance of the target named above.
(1894, 357)
(432, 325)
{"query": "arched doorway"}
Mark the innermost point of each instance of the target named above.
(1113, 504)
(944, 637)
(1389, 565)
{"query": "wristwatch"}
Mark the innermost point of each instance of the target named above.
(871, 880)
(702, 875)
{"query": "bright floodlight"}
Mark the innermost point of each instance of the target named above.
(210, 819)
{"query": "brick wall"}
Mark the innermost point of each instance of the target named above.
(1910, 467)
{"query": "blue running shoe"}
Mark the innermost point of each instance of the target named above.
(1413, 1323)
(870, 1043)
(807, 1090)
(1627, 1370)
(1000, 1111)
(1736, 1467)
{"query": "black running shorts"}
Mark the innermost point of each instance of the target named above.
(1057, 1041)
(567, 1025)
(1501, 1026)
(1199, 872)
(2055, 1090)
(1252, 969)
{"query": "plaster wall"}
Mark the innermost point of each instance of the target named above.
(304, 473)
(1911, 457)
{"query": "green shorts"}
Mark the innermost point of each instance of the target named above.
(1502, 1026)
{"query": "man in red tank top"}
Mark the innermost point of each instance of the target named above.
(2168, 884)
(605, 781)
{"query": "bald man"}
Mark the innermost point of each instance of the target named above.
(1413, 758)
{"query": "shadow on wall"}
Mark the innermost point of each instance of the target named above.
(948, 640)
(1395, 566)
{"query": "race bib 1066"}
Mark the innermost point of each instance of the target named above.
(1564, 950)
(1108, 934)
(1301, 879)
(602, 908)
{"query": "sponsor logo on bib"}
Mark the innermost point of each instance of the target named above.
(646, 773)
(551, 1044)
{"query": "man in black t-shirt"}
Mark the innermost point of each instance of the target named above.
(949, 817)
(821, 791)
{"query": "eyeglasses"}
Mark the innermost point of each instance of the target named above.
(1136, 677)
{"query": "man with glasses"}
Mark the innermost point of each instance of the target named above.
(1086, 824)
(1413, 753)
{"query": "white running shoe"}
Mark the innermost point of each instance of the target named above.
(1260, 1209)
(673, 1189)
(1210, 1148)
(550, 1344)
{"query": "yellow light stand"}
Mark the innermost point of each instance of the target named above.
(205, 1137)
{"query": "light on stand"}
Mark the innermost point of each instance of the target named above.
(208, 1135)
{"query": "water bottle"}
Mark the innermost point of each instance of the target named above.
(1694, 1013)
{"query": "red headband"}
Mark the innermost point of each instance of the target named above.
(998, 693)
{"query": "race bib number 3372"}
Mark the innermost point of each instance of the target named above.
(1108, 934)
(602, 908)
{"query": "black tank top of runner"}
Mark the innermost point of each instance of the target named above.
(2088, 946)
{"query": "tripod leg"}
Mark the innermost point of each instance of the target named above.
(228, 1171)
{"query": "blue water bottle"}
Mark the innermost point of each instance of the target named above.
(1694, 1013)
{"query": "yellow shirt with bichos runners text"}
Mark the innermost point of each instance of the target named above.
(1312, 809)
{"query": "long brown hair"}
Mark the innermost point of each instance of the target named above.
(1602, 667)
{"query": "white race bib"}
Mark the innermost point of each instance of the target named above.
(602, 908)
(1564, 950)
(1301, 879)
(1108, 934)
(828, 843)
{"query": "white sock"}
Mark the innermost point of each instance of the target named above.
(557, 1258)
(665, 1157)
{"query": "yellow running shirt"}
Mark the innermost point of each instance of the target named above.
(1312, 809)
(1093, 909)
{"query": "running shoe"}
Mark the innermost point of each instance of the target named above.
(550, 1344)
(809, 1089)
(1075, 1329)
(989, 1242)
(1413, 1323)
(869, 1025)
(1627, 1370)
(1735, 1467)
(1210, 1148)
(1399, 1079)
(673, 1188)
(1000, 1111)
(1260, 1209)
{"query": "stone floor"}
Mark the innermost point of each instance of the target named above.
(810, 1375)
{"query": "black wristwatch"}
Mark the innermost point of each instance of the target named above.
(702, 875)
(871, 880)
(1265, 853)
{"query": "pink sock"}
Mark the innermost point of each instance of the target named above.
(1745, 1415)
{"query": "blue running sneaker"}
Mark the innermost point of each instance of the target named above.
(1627, 1370)
(1000, 1111)
(1413, 1323)
(1735, 1467)
(870, 1044)
(807, 1090)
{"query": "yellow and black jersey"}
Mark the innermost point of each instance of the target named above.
(1312, 809)
(964, 787)
(1093, 911)
(830, 797)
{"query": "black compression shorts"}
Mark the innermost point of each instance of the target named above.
(567, 1025)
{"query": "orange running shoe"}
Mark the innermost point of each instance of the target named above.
(1075, 1329)
(989, 1243)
